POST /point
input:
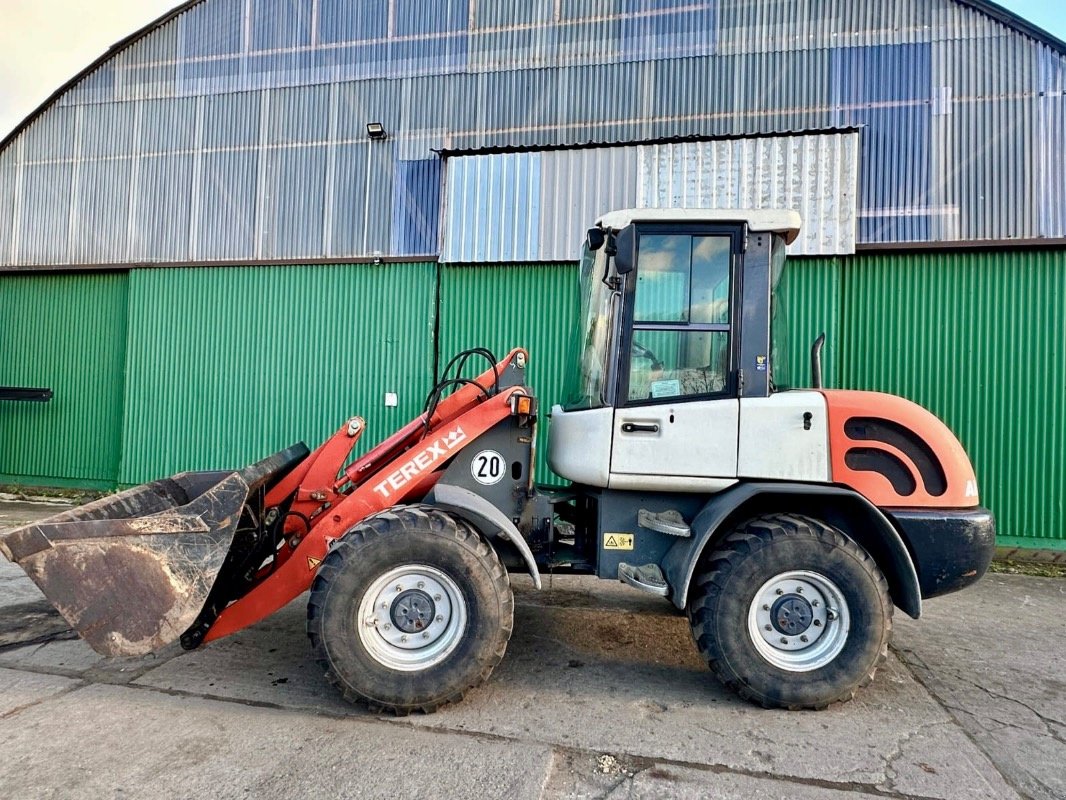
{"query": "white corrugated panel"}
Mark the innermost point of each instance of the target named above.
(814, 174)
(536, 206)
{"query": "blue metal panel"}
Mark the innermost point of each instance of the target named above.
(226, 223)
(212, 29)
(426, 17)
(161, 216)
(231, 120)
(886, 90)
(101, 211)
(214, 77)
(416, 206)
(106, 130)
(294, 202)
(345, 21)
(168, 126)
(280, 23)
(1050, 144)
(7, 204)
(44, 205)
(51, 138)
(667, 28)
(446, 53)
(297, 115)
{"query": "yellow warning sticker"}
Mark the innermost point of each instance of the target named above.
(618, 541)
(312, 563)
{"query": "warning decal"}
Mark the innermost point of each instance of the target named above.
(618, 541)
(312, 563)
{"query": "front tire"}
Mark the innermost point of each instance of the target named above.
(410, 610)
(790, 613)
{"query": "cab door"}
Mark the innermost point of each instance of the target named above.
(676, 419)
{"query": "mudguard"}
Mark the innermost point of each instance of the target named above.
(484, 516)
(877, 535)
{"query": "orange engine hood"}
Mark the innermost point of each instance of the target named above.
(895, 453)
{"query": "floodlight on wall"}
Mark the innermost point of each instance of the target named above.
(375, 130)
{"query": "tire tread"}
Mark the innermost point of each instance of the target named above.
(396, 522)
(750, 537)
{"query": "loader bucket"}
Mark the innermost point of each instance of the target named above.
(130, 572)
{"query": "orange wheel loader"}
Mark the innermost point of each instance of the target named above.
(786, 523)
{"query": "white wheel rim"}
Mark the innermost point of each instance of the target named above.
(799, 621)
(411, 618)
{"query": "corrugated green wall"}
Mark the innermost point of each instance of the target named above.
(517, 305)
(977, 338)
(810, 293)
(66, 333)
(218, 367)
(228, 365)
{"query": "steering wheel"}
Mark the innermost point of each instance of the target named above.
(640, 351)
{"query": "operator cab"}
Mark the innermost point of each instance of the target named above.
(675, 348)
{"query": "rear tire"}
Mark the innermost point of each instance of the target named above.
(790, 613)
(410, 610)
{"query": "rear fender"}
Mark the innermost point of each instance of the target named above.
(853, 514)
(488, 519)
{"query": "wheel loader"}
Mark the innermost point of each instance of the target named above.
(786, 523)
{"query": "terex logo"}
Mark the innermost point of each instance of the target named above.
(426, 458)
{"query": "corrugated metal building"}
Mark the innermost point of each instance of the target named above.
(206, 256)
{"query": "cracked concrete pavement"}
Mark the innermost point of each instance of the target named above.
(601, 694)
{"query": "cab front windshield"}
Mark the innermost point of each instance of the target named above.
(588, 355)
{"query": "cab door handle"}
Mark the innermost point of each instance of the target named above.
(639, 427)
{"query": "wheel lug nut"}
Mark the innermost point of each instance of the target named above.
(817, 623)
(421, 584)
(387, 626)
(425, 635)
(436, 597)
(403, 638)
(814, 603)
(765, 607)
(440, 618)
(779, 591)
(799, 590)
(769, 627)
(399, 588)
(803, 638)
(784, 640)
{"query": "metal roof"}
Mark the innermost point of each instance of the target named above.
(233, 131)
(993, 10)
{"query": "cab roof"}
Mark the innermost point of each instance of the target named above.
(770, 220)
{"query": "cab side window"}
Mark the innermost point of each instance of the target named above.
(681, 317)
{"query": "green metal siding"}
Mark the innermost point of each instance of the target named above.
(809, 291)
(501, 307)
(228, 365)
(219, 367)
(977, 338)
(67, 333)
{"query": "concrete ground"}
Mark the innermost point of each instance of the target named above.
(601, 695)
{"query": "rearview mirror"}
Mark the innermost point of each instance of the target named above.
(595, 238)
(625, 242)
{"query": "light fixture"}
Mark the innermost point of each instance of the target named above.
(375, 130)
